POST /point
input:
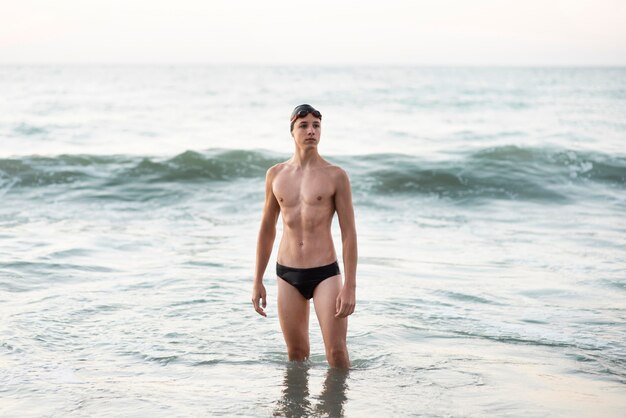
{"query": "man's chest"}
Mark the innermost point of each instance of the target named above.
(297, 190)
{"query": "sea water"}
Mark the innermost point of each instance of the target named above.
(489, 205)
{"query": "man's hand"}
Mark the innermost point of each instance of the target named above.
(259, 295)
(345, 303)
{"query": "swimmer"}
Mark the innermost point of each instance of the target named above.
(307, 191)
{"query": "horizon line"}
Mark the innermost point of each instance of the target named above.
(299, 65)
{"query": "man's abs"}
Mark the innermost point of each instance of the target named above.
(306, 250)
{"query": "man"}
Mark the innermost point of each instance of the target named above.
(308, 190)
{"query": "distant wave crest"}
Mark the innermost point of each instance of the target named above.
(507, 172)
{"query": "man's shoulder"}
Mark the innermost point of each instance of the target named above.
(335, 171)
(275, 169)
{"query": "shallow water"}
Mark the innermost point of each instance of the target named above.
(489, 208)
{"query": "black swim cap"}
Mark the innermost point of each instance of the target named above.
(301, 111)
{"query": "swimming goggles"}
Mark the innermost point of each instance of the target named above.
(303, 110)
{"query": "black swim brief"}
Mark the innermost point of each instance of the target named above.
(306, 280)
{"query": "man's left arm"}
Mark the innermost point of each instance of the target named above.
(345, 212)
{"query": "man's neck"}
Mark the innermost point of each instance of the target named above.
(305, 157)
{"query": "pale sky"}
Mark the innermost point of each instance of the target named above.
(422, 32)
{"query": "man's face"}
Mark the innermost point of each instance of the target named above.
(307, 130)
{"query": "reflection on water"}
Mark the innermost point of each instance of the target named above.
(295, 402)
(333, 394)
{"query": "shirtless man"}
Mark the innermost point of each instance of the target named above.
(308, 190)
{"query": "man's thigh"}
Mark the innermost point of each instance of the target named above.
(334, 330)
(293, 314)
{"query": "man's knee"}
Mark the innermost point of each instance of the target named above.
(298, 353)
(338, 356)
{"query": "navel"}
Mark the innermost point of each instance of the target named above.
(301, 243)
(319, 197)
(280, 198)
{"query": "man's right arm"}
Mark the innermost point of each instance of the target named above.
(265, 242)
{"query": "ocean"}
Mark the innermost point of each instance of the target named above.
(489, 207)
